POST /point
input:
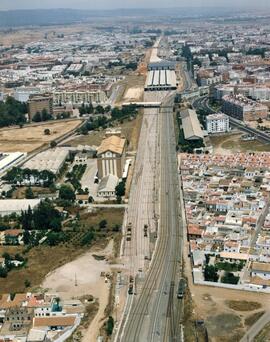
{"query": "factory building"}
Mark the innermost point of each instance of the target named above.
(111, 156)
(16, 206)
(50, 160)
(8, 160)
(191, 125)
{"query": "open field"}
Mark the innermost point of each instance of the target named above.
(130, 129)
(232, 143)
(93, 138)
(44, 259)
(29, 138)
(23, 36)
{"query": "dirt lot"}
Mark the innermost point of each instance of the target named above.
(133, 94)
(29, 138)
(130, 129)
(87, 272)
(226, 313)
(131, 86)
(232, 143)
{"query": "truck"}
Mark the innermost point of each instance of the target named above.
(181, 288)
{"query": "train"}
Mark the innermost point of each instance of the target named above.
(181, 288)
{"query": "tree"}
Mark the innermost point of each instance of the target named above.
(120, 189)
(46, 217)
(110, 325)
(66, 193)
(47, 131)
(102, 224)
(210, 273)
(27, 283)
(53, 143)
(230, 278)
(45, 116)
(37, 117)
(3, 272)
(29, 193)
(99, 109)
(12, 112)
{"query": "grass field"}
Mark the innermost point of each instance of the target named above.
(130, 129)
(29, 138)
(232, 143)
(43, 259)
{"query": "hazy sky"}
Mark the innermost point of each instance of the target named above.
(108, 4)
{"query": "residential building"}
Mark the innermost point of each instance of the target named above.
(38, 103)
(244, 109)
(217, 123)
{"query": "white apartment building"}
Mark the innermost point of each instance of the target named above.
(79, 97)
(217, 123)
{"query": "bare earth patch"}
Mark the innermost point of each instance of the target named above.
(29, 138)
(243, 305)
(251, 319)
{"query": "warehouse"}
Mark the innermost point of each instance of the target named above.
(16, 206)
(191, 125)
(8, 160)
(50, 160)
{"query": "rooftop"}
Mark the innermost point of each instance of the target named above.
(113, 143)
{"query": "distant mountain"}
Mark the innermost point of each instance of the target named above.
(15, 18)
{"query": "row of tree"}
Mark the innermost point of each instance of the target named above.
(90, 109)
(43, 217)
(42, 116)
(19, 176)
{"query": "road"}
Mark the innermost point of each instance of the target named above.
(203, 103)
(256, 328)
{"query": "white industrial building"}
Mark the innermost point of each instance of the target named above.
(50, 160)
(7, 160)
(191, 125)
(218, 123)
(107, 186)
(16, 206)
(160, 80)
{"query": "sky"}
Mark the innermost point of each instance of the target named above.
(114, 4)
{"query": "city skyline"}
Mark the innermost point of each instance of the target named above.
(118, 4)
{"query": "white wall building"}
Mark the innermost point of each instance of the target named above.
(217, 123)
